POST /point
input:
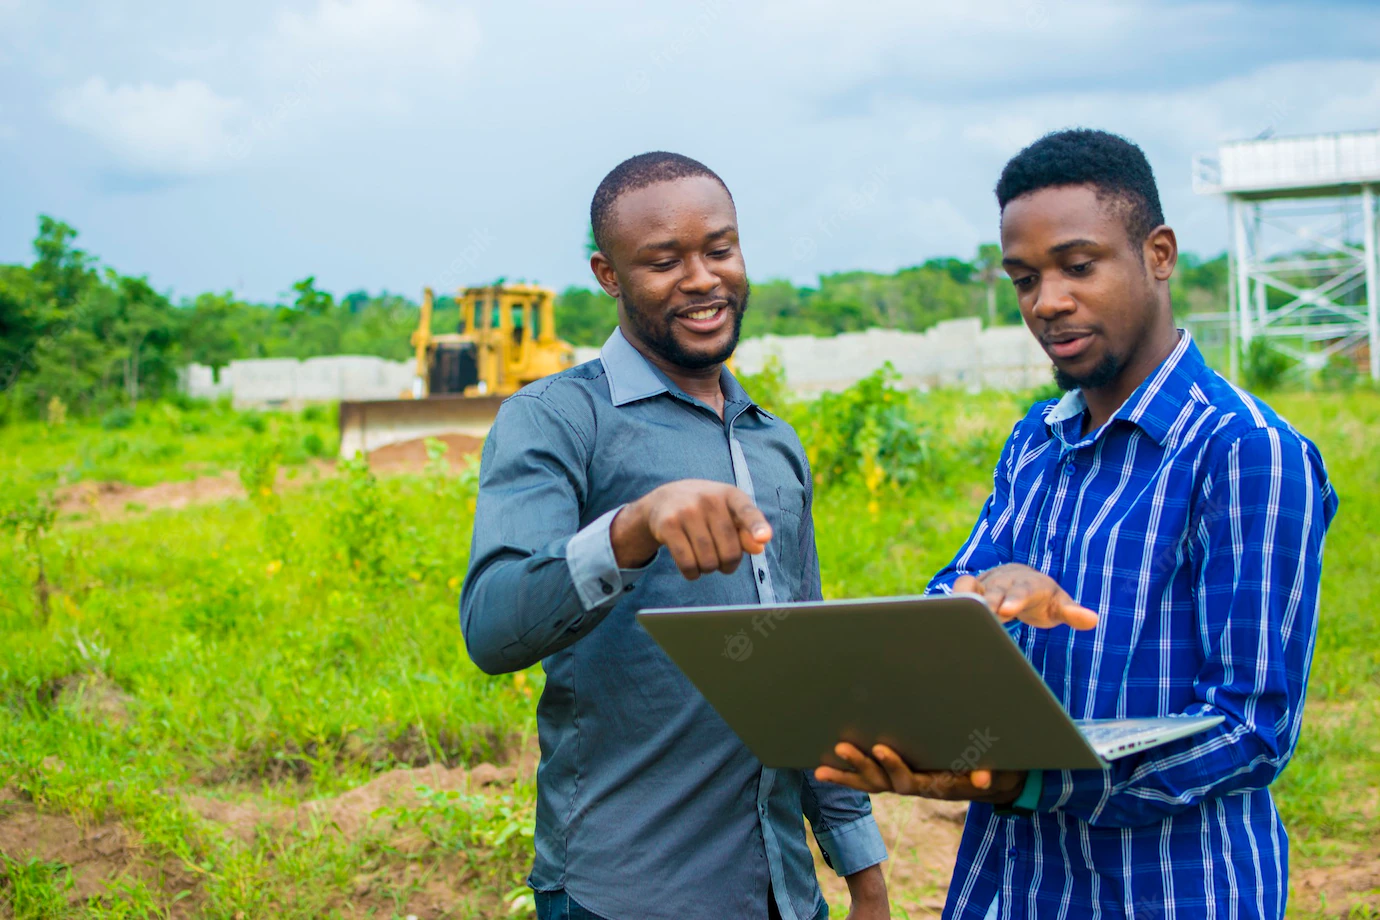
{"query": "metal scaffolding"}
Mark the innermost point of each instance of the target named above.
(1305, 272)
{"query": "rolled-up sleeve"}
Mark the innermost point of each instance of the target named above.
(537, 581)
(842, 821)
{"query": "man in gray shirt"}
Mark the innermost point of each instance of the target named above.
(648, 806)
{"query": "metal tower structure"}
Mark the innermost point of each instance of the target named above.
(1305, 272)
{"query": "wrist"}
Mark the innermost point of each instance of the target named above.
(867, 886)
(631, 538)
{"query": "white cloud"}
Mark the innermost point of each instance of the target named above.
(181, 129)
(373, 51)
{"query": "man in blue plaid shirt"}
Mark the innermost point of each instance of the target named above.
(1176, 523)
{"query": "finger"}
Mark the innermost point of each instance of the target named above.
(726, 542)
(678, 545)
(981, 779)
(753, 529)
(902, 779)
(702, 544)
(967, 584)
(1073, 613)
(871, 772)
(997, 599)
(843, 778)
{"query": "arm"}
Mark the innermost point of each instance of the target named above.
(536, 581)
(535, 584)
(1257, 559)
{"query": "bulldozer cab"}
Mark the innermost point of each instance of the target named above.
(506, 339)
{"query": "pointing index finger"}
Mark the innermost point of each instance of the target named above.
(752, 523)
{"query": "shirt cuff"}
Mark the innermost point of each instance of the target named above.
(852, 847)
(593, 568)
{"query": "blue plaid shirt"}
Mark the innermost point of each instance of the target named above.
(1193, 523)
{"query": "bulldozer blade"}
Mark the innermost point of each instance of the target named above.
(370, 424)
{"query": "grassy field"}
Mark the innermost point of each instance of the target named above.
(262, 707)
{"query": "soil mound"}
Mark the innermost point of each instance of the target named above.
(410, 456)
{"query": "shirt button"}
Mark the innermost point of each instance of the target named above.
(627, 587)
(1013, 852)
(761, 575)
(1068, 468)
(608, 588)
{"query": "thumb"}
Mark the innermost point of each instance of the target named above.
(1072, 613)
(752, 523)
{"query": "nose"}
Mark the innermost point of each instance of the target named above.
(1053, 300)
(698, 278)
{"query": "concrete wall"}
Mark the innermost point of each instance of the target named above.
(956, 353)
(288, 381)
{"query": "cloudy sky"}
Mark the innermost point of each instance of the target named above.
(390, 144)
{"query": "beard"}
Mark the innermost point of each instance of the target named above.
(655, 331)
(1103, 373)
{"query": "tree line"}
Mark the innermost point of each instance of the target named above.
(80, 333)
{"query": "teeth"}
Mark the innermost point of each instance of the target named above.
(702, 314)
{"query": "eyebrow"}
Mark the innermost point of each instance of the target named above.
(1056, 249)
(675, 244)
(1070, 244)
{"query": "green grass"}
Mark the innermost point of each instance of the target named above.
(272, 652)
(160, 442)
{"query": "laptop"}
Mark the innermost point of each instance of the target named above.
(937, 679)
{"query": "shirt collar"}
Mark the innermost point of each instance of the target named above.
(1155, 404)
(632, 377)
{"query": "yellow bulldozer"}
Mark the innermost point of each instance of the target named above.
(506, 339)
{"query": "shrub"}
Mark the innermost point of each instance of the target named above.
(1263, 367)
(119, 417)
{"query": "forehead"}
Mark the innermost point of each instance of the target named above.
(1063, 212)
(667, 210)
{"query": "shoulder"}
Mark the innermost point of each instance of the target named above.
(1247, 435)
(569, 397)
(1032, 430)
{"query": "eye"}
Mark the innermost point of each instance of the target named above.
(664, 265)
(1082, 268)
(1023, 282)
(722, 252)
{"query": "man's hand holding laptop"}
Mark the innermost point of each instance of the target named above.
(1014, 592)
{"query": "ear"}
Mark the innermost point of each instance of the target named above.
(1161, 252)
(605, 274)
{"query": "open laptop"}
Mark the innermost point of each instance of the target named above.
(938, 679)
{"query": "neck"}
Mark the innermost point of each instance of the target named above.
(1104, 401)
(701, 383)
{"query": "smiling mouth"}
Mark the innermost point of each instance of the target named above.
(706, 313)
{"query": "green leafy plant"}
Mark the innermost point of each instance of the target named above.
(1263, 367)
(30, 517)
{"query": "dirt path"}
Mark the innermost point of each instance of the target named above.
(106, 500)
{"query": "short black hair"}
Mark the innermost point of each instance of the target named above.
(1110, 163)
(639, 172)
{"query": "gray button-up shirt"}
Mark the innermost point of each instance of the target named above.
(647, 804)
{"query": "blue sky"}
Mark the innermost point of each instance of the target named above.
(391, 144)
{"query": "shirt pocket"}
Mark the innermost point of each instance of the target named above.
(787, 519)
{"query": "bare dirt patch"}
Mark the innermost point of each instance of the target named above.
(1344, 889)
(96, 855)
(108, 500)
(94, 697)
(410, 456)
